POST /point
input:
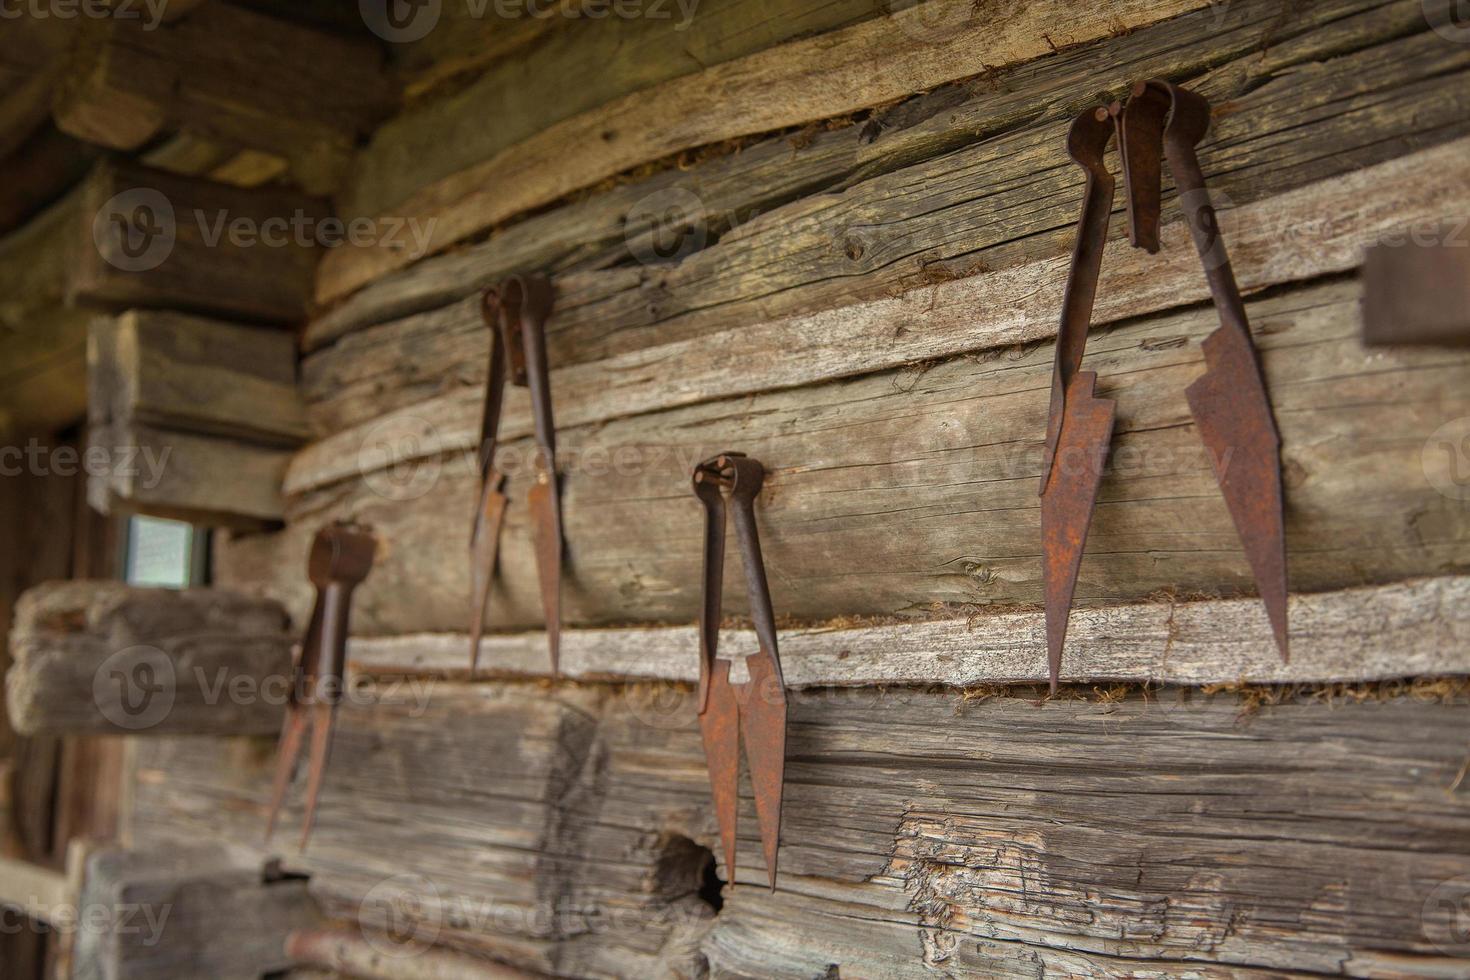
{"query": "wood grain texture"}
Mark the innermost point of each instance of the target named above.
(229, 72)
(895, 491)
(1231, 50)
(924, 835)
(195, 375)
(1003, 203)
(184, 476)
(1271, 242)
(547, 82)
(1371, 633)
(101, 658)
(854, 68)
(151, 238)
(187, 909)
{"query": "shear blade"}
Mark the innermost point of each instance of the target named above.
(482, 560)
(288, 750)
(720, 725)
(546, 529)
(1067, 504)
(763, 725)
(1234, 418)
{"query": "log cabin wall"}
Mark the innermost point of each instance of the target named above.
(835, 237)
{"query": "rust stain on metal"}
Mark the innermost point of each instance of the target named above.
(755, 709)
(1229, 401)
(516, 313)
(341, 557)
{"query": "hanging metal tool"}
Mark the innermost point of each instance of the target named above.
(1229, 401)
(341, 557)
(754, 709)
(516, 313)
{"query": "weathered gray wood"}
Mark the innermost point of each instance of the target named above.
(1002, 203)
(193, 418)
(1257, 39)
(525, 91)
(230, 72)
(924, 833)
(185, 477)
(1418, 628)
(242, 252)
(102, 658)
(195, 375)
(185, 910)
(893, 492)
(863, 65)
(1271, 242)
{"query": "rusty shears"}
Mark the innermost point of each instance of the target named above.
(1229, 402)
(341, 557)
(516, 314)
(755, 707)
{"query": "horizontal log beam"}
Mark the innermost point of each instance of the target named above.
(152, 238)
(1271, 242)
(194, 375)
(1149, 832)
(185, 909)
(961, 145)
(1382, 632)
(860, 66)
(230, 72)
(892, 492)
(101, 658)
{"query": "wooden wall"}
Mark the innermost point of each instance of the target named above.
(836, 237)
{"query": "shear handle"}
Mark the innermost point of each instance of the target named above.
(707, 489)
(749, 476)
(1087, 142)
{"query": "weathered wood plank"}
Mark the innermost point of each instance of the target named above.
(183, 476)
(186, 909)
(1271, 242)
(1001, 203)
(696, 204)
(923, 833)
(228, 72)
(860, 66)
(102, 658)
(527, 91)
(892, 492)
(151, 238)
(1366, 634)
(195, 375)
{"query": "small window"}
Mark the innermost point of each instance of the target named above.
(164, 554)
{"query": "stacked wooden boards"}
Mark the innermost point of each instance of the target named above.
(866, 304)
